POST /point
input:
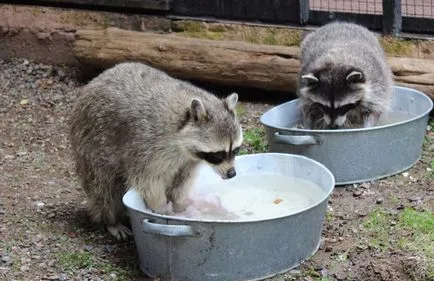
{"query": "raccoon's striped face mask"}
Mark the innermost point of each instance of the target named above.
(217, 135)
(218, 157)
(221, 161)
(332, 93)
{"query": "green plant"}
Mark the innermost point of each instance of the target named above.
(415, 229)
(240, 109)
(377, 226)
(75, 260)
(70, 260)
(255, 140)
(397, 47)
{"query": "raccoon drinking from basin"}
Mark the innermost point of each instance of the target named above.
(345, 81)
(134, 126)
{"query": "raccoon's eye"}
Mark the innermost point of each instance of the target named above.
(324, 108)
(236, 151)
(213, 157)
(344, 109)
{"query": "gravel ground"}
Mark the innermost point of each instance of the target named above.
(374, 231)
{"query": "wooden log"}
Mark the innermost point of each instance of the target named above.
(414, 73)
(229, 63)
(223, 62)
(163, 5)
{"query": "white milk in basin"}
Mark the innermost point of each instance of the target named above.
(254, 196)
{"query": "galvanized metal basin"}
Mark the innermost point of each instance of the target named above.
(189, 249)
(355, 155)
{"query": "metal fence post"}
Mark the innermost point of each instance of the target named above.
(392, 17)
(304, 11)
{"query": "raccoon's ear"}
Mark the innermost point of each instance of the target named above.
(310, 79)
(231, 101)
(355, 77)
(198, 110)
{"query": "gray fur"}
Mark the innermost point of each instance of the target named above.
(330, 54)
(134, 126)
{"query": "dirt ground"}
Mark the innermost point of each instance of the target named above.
(380, 231)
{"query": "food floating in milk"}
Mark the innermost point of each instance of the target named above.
(252, 197)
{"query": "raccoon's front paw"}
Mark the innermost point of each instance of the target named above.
(165, 209)
(371, 120)
(120, 232)
(179, 207)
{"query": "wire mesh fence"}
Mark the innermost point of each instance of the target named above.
(410, 8)
(418, 8)
(348, 6)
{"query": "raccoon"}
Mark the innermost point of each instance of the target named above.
(344, 81)
(134, 126)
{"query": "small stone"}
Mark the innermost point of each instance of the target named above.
(328, 249)
(35, 85)
(40, 204)
(62, 277)
(357, 193)
(24, 102)
(318, 268)
(7, 157)
(51, 215)
(340, 276)
(331, 240)
(24, 268)
(376, 270)
(50, 82)
(5, 259)
(379, 200)
(108, 248)
(365, 185)
(88, 248)
(21, 153)
(112, 276)
(405, 174)
(415, 199)
(362, 214)
(59, 72)
(295, 272)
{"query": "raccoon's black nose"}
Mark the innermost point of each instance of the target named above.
(231, 173)
(334, 126)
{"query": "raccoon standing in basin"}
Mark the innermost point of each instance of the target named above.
(134, 126)
(345, 81)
